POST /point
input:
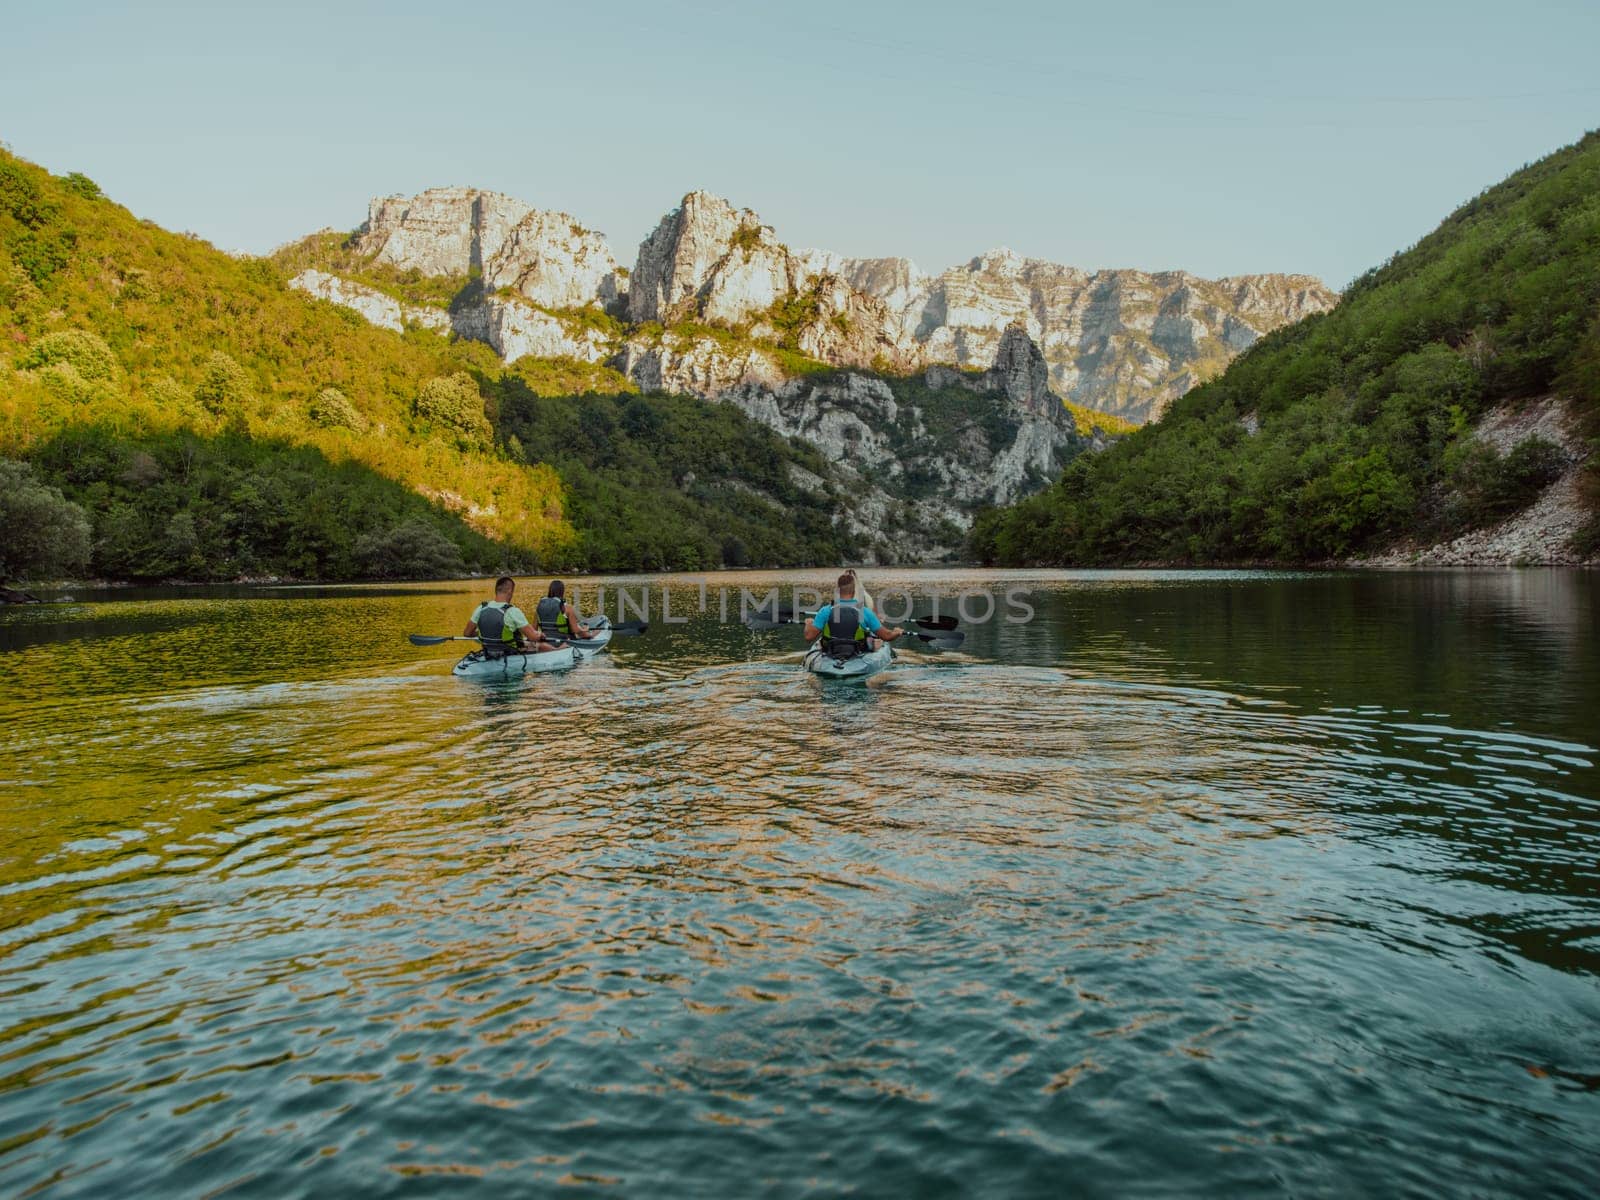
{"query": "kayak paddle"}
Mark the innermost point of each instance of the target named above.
(419, 639)
(937, 641)
(626, 629)
(940, 624)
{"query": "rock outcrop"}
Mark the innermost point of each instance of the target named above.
(378, 308)
(710, 261)
(514, 329)
(893, 452)
(547, 257)
(672, 362)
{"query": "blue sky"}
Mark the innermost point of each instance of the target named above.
(1221, 138)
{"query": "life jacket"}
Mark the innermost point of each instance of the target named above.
(497, 636)
(552, 617)
(845, 634)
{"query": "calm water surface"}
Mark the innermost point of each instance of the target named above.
(1232, 883)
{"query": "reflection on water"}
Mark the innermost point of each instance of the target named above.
(1217, 882)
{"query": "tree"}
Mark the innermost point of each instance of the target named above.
(330, 409)
(42, 533)
(224, 388)
(415, 550)
(453, 403)
(85, 352)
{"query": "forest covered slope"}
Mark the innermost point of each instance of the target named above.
(1352, 430)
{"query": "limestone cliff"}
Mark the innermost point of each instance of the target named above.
(1125, 342)
(513, 328)
(1120, 341)
(921, 454)
(546, 257)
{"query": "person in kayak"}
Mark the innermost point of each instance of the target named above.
(502, 627)
(848, 627)
(557, 618)
(861, 590)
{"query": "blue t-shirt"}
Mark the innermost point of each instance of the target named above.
(869, 619)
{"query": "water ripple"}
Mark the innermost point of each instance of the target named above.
(694, 926)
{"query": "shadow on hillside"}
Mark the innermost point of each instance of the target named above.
(186, 506)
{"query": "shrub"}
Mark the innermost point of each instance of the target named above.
(42, 533)
(453, 403)
(16, 289)
(86, 352)
(80, 184)
(167, 393)
(330, 410)
(224, 388)
(1490, 487)
(63, 380)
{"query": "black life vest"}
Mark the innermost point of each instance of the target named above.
(493, 632)
(551, 614)
(844, 635)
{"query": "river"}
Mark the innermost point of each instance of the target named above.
(1194, 882)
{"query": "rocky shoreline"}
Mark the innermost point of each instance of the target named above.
(1542, 534)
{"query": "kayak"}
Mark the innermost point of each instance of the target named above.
(859, 666)
(601, 628)
(477, 666)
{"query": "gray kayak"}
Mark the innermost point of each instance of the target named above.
(858, 666)
(478, 665)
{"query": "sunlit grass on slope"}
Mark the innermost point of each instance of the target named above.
(165, 303)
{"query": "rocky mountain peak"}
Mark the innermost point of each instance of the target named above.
(710, 260)
(1125, 342)
(548, 257)
(1020, 366)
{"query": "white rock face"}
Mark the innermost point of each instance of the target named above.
(513, 329)
(518, 331)
(1125, 342)
(547, 257)
(372, 304)
(847, 417)
(694, 366)
(709, 260)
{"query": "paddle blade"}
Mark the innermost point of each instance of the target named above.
(943, 623)
(630, 628)
(761, 624)
(418, 639)
(939, 641)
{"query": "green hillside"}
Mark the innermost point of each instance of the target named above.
(213, 423)
(1363, 412)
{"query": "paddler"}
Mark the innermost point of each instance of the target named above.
(557, 618)
(502, 627)
(861, 590)
(847, 626)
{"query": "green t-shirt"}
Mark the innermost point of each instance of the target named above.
(515, 619)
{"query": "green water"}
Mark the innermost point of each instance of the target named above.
(1195, 883)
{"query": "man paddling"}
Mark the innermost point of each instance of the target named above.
(847, 626)
(558, 618)
(502, 627)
